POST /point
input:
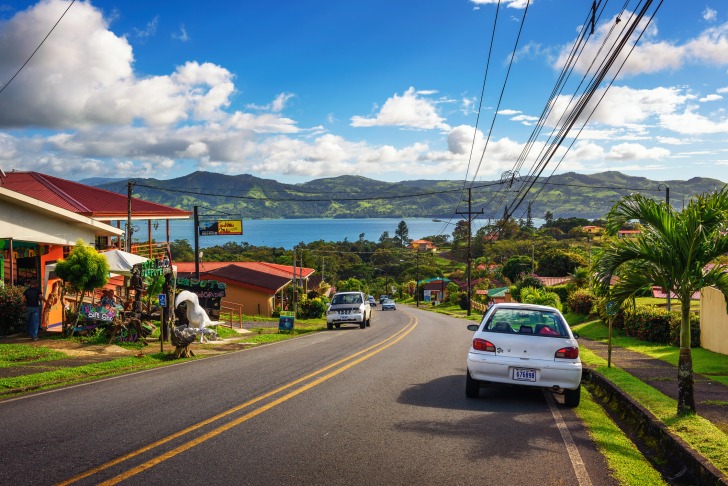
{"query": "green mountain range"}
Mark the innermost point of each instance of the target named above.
(249, 197)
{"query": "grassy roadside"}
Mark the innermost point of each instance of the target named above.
(705, 362)
(625, 461)
(14, 355)
(699, 433)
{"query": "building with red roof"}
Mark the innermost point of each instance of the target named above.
(42, 217)
(257, 286)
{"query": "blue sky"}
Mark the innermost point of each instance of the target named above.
(298, 90)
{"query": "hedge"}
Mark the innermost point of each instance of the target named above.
(654, 324)
(12, 309)
(581, 301)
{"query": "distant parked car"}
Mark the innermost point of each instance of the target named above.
(348, 307)
(372, 301)
(389, 304)
(527, 345)
(382, 298)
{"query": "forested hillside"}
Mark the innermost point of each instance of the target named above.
(566, 195)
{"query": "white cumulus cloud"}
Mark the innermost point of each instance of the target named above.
(406, 111)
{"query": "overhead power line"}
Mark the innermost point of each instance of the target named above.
(39, 45)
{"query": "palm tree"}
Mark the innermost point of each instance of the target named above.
(672, 251)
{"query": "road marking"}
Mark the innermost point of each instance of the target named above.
(576, 462)
(364, 354)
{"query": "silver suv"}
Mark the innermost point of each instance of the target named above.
(349, 307)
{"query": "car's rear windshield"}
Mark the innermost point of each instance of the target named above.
(523, 321)
(346, 299)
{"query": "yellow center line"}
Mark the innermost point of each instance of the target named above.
(392, 339)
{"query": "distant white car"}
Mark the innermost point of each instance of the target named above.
(526, 345)
(389, 304)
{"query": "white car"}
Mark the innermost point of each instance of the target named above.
(526, 345)
(349, 307)
(389, 304)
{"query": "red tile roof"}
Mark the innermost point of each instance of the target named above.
(550, 281)
(250, 278)
(264, 267)
(659, 293)
(85, 200)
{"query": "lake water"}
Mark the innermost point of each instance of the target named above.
(287, 233)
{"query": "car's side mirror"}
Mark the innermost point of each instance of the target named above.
(473, 327)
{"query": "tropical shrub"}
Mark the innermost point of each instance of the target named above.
(12, 309)
(311, 308)
(558, 263)
(654, 324)
(528, 280)
(562, 291)
(84, 269)
(581, 301)
(530, 295)
(463, 300)
(517, 266)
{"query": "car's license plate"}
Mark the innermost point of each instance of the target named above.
(523, 374)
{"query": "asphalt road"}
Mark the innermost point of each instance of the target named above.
(384, 405)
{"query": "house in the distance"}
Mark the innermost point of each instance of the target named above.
(422, 245)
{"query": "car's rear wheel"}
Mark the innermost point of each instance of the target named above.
(472, 386)
(572, 397)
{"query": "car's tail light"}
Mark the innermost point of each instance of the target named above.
(483, 345)
(567, 353)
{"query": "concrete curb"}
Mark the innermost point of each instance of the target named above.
(691, 466)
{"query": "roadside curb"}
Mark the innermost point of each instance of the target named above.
(689, 464)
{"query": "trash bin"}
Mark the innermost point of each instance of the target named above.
(285, 323)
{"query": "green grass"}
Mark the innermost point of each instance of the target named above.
(674, 303)
(271, 334)
(628, 465)
(225, 332)
(714, 365)
(453, 310)
(23, 354)
(68, 376)
(698, 432)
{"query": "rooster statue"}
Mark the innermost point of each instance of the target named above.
(196, 314)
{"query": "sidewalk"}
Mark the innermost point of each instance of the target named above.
(663, 376)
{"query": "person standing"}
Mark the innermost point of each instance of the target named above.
(33, 298)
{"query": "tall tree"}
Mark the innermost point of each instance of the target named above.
(672, 251)
(402, 233)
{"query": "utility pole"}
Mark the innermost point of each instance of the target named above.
(470, 242)
(129, 227)
(417, 284)
(293, 289)
(667, 201)
(197, 243)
